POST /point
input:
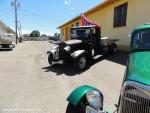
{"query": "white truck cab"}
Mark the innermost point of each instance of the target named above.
(6, 41)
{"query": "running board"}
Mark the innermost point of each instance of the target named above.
(97, 57)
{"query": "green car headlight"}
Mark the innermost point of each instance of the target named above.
(95, 99)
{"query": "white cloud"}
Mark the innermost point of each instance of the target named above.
(73, 9)
(69, 4)
(73, 12)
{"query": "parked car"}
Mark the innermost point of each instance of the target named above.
(85, 45)
(135, 91)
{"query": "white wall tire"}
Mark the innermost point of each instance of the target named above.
(81, 63)
(50, 58)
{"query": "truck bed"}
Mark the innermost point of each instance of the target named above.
(107, 41)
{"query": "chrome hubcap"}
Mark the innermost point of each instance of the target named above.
(82, 62)
(115, 49)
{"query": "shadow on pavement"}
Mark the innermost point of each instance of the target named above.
(5, 50)
(60, 69)
(121, 57)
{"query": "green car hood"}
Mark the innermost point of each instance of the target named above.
(139, 67)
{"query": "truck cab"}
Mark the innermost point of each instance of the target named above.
(6, 41)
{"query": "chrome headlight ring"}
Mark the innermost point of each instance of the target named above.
(95, 99)
(67, 48)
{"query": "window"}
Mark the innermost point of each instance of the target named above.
(120, 15)
(80, 33)
(77, 24)
(141, 40)
(72, 25)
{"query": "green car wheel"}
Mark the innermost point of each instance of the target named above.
(74, 109)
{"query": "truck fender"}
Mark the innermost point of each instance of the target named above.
(77, 53)
(78, 94)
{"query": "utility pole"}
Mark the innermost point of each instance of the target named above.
(19, 30)
(16, 21)
(16, 4)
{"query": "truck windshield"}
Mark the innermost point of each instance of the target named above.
(141, 41)
(79, 33)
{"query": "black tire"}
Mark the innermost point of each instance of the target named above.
(50, 58)
(114, 48)
(74, 109)
(81, 63)
(106, 50)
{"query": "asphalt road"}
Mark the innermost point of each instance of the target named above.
(29, 85)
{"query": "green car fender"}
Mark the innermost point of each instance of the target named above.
(76, 96)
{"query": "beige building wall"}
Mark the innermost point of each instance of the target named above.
(138, 13)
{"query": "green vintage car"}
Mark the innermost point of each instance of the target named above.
(135, 92)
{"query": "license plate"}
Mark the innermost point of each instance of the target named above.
(91, 110)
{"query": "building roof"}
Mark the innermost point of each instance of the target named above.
(90, 26)
(142, 27)
(97, 7)
(7, 28)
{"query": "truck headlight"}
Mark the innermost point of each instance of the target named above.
(10, 46)
(95, 99)
(55, 47)
(67, 48)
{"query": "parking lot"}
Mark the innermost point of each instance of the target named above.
(29, 85)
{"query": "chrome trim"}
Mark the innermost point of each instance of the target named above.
(133, 95)
(91, 110)
(144, 88)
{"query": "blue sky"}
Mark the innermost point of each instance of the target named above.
(44, 15)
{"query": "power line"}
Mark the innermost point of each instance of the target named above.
(37, 15)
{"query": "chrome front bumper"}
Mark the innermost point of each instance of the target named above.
(91, 110)
(6, 46)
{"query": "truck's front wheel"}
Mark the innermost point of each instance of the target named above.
(50, 58)
(81, 63)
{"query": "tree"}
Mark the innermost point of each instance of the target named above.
(35, 33)
(43, 35)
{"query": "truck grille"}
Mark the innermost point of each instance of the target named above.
(135, 98)
(5, 46)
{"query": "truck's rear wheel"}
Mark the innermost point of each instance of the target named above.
(114, 48)
(81, 63)
(106, 50)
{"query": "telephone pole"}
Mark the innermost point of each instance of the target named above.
(16, 21)
(16, 4)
